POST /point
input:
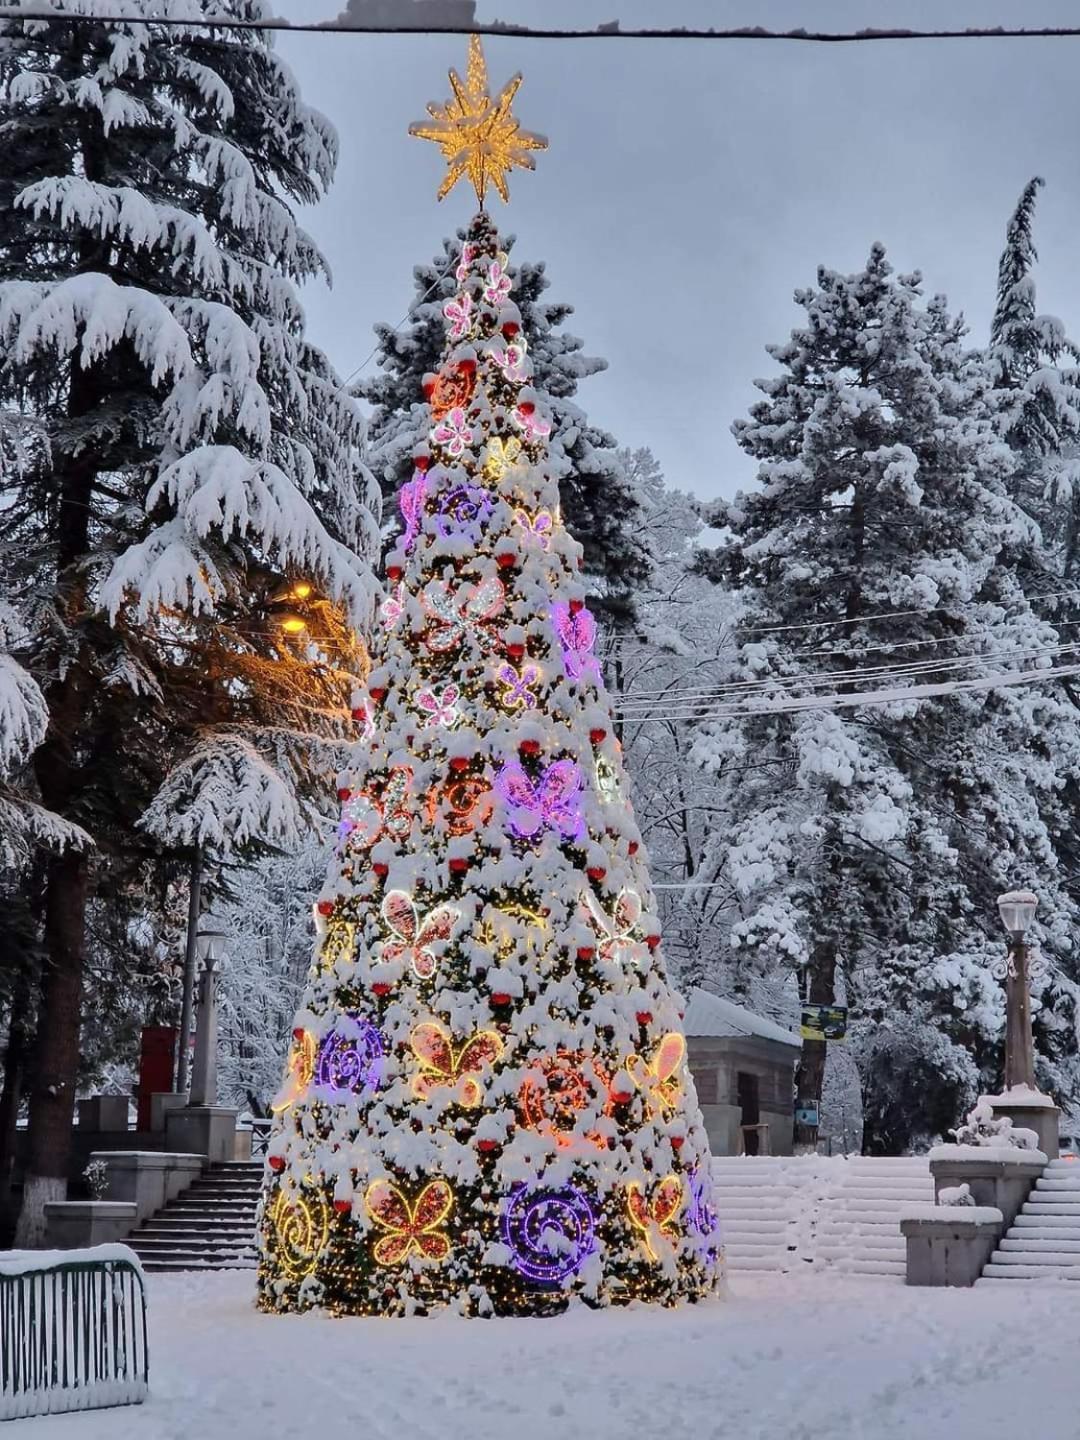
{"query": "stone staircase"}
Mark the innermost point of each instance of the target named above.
(210, 1226)
(839, 1213)
(858, 1229)
(1043, 1242)
(754, 1202)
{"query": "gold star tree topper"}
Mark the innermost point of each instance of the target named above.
(480, 138)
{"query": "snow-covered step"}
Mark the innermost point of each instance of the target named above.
(211, 1226)
(1043, 1243)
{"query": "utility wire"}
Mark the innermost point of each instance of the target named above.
(873, 698)
(530, 32)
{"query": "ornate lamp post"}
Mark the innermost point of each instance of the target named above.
(1017, 910)
(210, 944)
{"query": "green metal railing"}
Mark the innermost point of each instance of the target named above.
(72, 1336)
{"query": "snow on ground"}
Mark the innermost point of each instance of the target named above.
(786, 1357)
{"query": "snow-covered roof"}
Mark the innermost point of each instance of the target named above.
(708, 1015)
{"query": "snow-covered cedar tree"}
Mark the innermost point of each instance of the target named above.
(267, 914)
(681, 647)
(1036, 391)
(200, 460)
(487, 1103)
(872, 839)
(600, 502)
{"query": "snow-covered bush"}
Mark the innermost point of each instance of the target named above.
(984, 1128)
(956, 1195)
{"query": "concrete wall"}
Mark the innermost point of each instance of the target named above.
(715, 1062)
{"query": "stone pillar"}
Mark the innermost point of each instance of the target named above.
(204, 1064)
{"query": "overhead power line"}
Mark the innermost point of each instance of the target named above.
(531, 32)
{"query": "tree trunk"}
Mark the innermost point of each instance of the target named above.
(11, 1093)
(56, 1061)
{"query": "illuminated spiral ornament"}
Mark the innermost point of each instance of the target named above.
(301, 1229)
(550, 1233)
(350, 1057)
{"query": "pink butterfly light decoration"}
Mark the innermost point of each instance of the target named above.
(414, 935)
(498, 284)
(577, 636)
(453, 431)
(532, 425)
(511, 359)
(460, 314)
(441, 708)
(468, 255)
(393, 607)
(553, 801)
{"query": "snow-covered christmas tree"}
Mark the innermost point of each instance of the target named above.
(487, 1103)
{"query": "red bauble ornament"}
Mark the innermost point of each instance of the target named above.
(458, 865)
(326, 907)
(509, 330)
(598, 736)
(585, 952)
(378, 693)
(422, 463)
(394, 572)
(381, 988)
(459, 763)
(516, 652)
(632, 848)
(359, 714)
(500, 998)
(276, 1163)
(596, 872)
(506, 561)
(529, 747)
(678, 1141)
(652, 941)
(343, 1207)
(576, 607)
(298, 1035)
(644, 1017)
(381, 869)
(487, 1146)
(344, 793)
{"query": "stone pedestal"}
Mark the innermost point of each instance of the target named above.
(161, 1102)
(148, 1179)
(78, 1224)
(1002, 1184)
(945, 1248)
(104, 1113)
(1032, 1111)
(208, 1130)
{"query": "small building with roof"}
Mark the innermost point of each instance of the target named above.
(744, 1072)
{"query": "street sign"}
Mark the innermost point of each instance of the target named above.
(824, 1022)
(806, 1113)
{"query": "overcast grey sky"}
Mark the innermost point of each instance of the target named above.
(692, 186)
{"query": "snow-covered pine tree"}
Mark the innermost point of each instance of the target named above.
(868, 842)
(487, 1104)
(599, 500)
(203, 459)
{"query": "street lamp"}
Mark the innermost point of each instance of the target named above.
(1017, 910)
(210, 944)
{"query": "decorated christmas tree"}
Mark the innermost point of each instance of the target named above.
(487, 1102)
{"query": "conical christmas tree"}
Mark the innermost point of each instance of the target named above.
(487, 1103)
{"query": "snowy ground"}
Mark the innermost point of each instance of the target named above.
(801, 1357)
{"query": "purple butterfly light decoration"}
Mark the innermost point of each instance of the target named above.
(577, 636)
(552, 801)
(411, 503)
